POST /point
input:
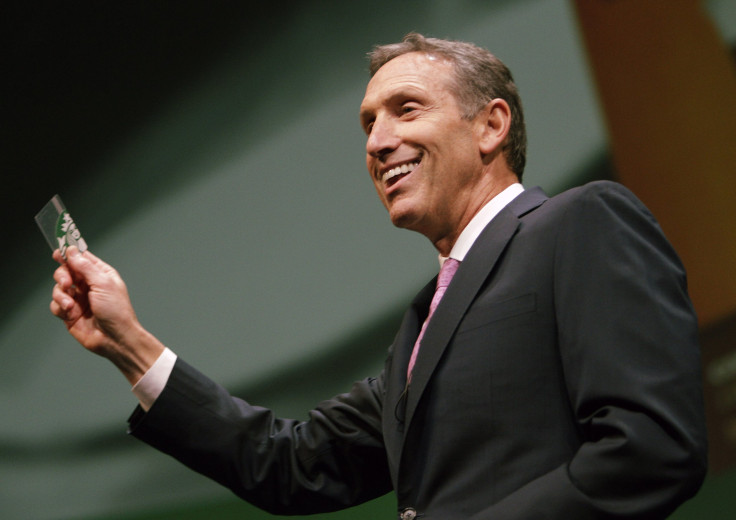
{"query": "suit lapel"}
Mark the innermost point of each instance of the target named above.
(395, 402)
(468, 280)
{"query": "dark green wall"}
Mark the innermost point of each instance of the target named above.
(211, 151)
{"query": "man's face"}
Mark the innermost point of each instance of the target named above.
(423, 157)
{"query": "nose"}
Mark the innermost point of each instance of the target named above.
(382, 139)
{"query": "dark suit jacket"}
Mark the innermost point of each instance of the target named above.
(559, 378)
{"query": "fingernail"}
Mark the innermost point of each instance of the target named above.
(72, 251)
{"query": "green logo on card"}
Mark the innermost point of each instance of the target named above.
(68, 234)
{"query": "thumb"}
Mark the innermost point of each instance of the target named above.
(87, 266)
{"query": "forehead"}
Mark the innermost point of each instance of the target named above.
(412, 72)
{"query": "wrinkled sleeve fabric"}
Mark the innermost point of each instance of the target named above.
(333, 460)
(629, 350)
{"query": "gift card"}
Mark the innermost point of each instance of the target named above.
(58, 227)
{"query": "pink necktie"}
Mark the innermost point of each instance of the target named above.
(443, 280)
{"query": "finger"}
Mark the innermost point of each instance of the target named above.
(56, 309)
(63, 277)
(74, 254)
(86, 268)
(94, 258)
(62, 299)
(68, 316)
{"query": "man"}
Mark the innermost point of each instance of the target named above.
(558, 377)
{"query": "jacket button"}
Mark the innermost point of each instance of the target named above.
(408, 514)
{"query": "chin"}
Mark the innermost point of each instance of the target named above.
(405, 220)
(401, 221)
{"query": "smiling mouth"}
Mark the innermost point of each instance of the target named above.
(394, 174)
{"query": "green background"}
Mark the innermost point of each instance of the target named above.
(211, 152)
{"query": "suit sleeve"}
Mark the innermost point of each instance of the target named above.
(333, 460)
(628, 346)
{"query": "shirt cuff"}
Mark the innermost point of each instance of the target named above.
(150, 386)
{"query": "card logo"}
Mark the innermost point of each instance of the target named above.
(67, 234)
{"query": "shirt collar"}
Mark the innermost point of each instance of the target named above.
(481, 219)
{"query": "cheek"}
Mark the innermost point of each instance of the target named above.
(379, 191)
(381, 196)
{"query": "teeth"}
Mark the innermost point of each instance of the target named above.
(404, 168)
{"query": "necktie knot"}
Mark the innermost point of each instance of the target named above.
(447, 272)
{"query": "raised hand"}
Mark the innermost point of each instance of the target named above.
(92, 300)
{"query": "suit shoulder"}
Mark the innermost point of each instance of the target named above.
(596, 189)
(601, 194)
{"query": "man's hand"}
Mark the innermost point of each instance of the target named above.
(92, 300)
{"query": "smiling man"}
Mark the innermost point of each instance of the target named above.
(551, 370)
(431, 159)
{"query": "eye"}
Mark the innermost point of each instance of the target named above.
(366, 122)
(410, 109)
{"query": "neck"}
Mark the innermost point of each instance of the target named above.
(444, 242)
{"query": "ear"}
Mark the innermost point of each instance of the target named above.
(495, 122)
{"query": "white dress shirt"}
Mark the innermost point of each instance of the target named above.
(150, 386)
